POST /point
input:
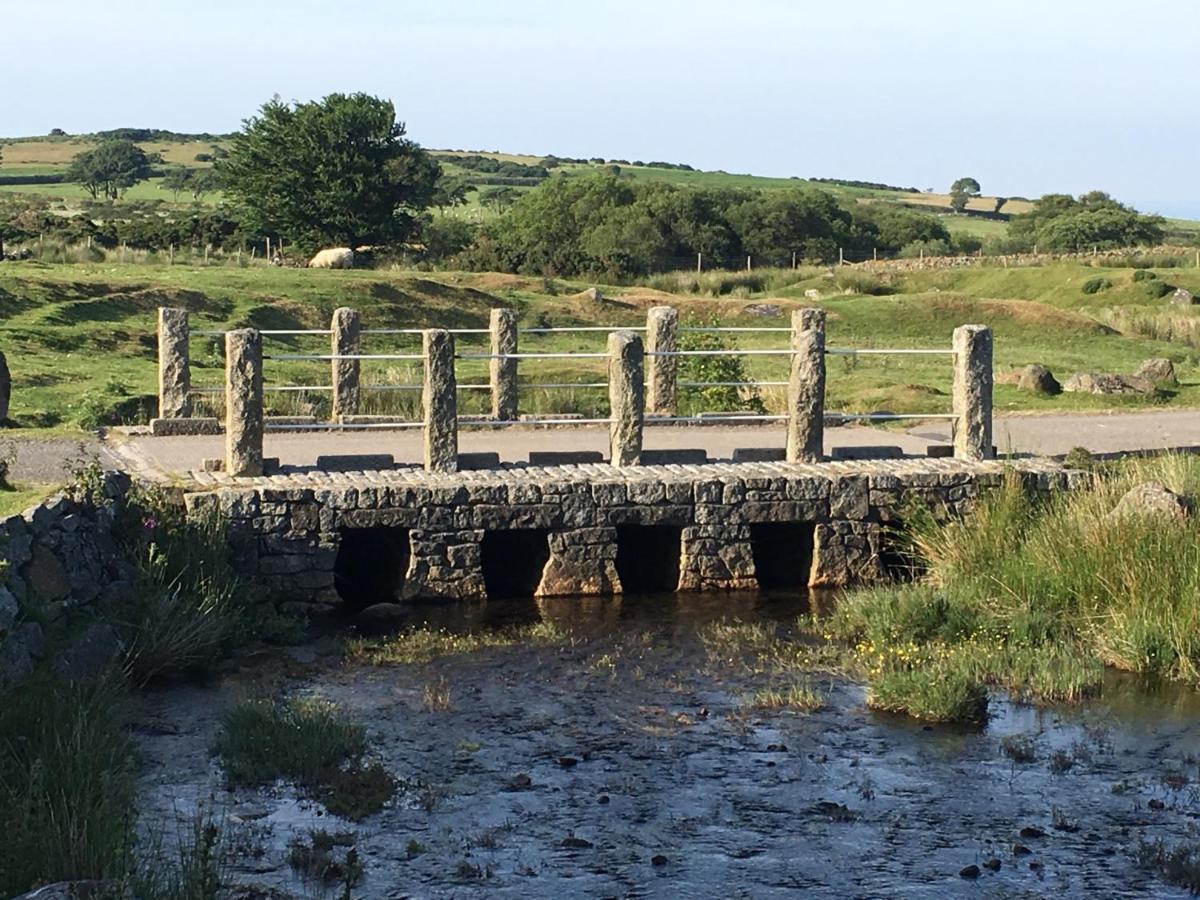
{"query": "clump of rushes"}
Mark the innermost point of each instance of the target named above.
(422, 645)
(309, 742)
(1035, 597)
(799, 697)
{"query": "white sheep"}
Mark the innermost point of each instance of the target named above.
(333, 258)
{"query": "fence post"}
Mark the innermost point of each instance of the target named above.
(440, 401)
(626, 397)
(344, 331)
(174, 369)
(973, 392)
(662, 329)
(806, 387)
(243, 403)
(503, 372)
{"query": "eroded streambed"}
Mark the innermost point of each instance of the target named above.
(626, 761)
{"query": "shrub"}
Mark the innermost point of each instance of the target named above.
(724, 371)
(1143, 275)
(1157, 289)
(1096, 285)
(856, 281)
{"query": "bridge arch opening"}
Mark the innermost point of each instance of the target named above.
(513, 561)
(648, 558)
(370, 566)
(783, 553)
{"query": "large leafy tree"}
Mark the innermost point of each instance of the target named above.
(962, 191)
(336, 171)
(1060, 222)
(111, 168)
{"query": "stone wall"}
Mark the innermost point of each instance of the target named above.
(59, 556)
(287, 528)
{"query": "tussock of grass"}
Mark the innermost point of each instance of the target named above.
(261, 740)
(423, 645)
(800, 697)
(1036, 597)
(1178, 865)
(66, 785)
(759, 647)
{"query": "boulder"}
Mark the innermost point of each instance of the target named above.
(5, 392)
(1158, 370)
(331, 258)
(47, 576)
(1096, 383)
(8, 611)
(763, 310)
(1153, 499)
(18, 653)
(95, 651)
(812, 294)
(593, 294)
(1181, 297)
(1038, 380)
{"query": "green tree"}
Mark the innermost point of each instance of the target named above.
(203, 181)
(175, 181)
(338, 171)
(962, 191)
(1060, 222)
(111, 168)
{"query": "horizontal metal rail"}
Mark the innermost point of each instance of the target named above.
(566, 329)
(889, 417)
(531, 356)
(423, 330)
(720, 353)
(210, 332)
(565, 384)
(715, 329)
(299, 388)
(701, 384)
(418, 387)
(892, 352)
(338, 426)
(717, 417)
(484, 423)
(331, 356)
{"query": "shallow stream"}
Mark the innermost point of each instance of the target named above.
(625, 763)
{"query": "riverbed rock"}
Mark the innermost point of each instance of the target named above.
(1100, 383)
(381, 615)
(1038, 380)
(969, 872)
(1158, 370)
(1181, 297)
(1153, 499)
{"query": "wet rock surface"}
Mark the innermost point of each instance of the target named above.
(706, 795)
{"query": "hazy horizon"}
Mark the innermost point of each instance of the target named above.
(1029, 100)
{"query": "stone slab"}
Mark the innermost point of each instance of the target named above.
(758, 454)
(868, 451)
(355, 462)
(564, 457)
(683, 456)
(470, 462)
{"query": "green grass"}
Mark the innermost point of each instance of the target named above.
(302, 740)
(66, 776)
(80, 337)
(1035, 596)
(423, 645)
(23, 496)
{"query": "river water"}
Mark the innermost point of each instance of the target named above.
(621, 763)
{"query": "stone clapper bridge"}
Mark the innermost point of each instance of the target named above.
(319, 539)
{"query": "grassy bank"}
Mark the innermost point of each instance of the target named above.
(1036, 598)
(80, 339)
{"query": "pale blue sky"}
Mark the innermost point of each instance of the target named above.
(1028, 97)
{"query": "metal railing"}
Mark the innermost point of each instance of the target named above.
(643, 359)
